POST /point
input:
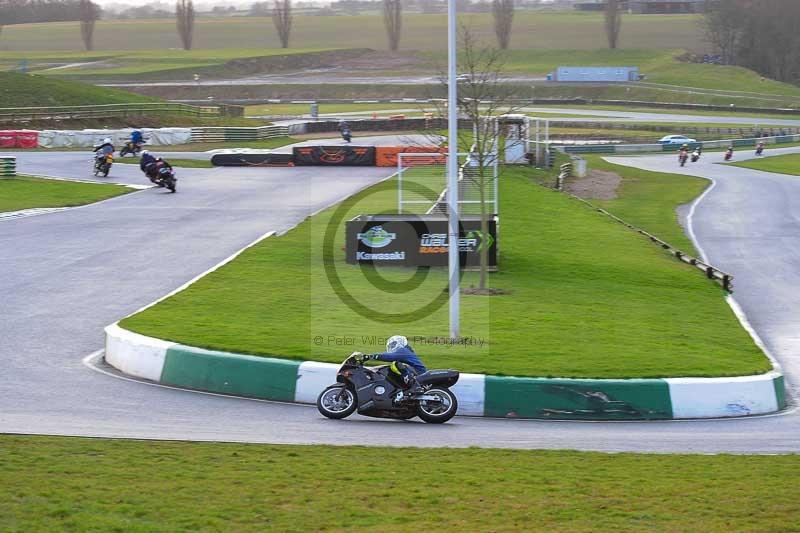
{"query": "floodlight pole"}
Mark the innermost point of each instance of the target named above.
(452, 172)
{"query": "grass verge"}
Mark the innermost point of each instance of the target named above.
(21, 90)
(779, 164)
(25, 192)
(62, 483)
(585, 297)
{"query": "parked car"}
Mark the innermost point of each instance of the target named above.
(676, 139)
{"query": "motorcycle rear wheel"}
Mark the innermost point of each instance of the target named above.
(331, 405)
(438, 412)
(171, 185)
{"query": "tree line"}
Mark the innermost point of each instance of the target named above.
(26, 11)
(761, 35)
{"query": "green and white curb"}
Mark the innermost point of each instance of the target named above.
(268, 378)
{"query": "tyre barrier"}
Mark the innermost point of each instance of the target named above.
(270, 378)
(252, 159)
(8, 167)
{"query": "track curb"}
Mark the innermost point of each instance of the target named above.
(269, 378)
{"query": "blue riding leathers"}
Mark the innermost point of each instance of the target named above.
(404, 355)
(136, 137)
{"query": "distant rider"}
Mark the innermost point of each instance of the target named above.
(759, 148)
(137, 139)
(399, 351)
(105, 148)
(102, 150)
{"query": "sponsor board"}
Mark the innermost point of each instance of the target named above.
(417, 240)
(251, 160)
(334, 155)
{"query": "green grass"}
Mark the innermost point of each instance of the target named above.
(648, 200)
(546, 31)
(58, 483)
(181, 163)
(25, 192)
(587, 297)
(780, 164)
(19, 90)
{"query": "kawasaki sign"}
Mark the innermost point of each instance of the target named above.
(417, 240)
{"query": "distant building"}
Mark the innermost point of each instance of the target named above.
(646, 6)
(666, 6)
(595, 74)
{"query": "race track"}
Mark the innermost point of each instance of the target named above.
(66, 275)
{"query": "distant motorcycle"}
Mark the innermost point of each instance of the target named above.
(346, 135)
(102, 164)
(728, 154)
(130, 148)
(682, 158)
(381, 393)
(695, 156)
(759, 149)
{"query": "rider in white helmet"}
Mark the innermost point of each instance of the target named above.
(105, 147)
(399, 351)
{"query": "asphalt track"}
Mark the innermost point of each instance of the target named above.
(68, 274)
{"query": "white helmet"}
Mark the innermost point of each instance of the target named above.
(107, 140)
(395, 343)
(145, 152)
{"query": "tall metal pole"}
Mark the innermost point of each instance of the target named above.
(452, 171)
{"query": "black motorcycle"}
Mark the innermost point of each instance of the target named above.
(165, 177)
(130, 148)
(346, 135)
(381, 393)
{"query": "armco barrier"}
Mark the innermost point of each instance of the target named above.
(26, 114)
(228, 134)
(270, 378)
(8, 167)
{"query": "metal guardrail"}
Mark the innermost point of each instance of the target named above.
(711, 272)
(223, 134)
(8, 167)
(26, 114)
(638, 148)
(565, 172)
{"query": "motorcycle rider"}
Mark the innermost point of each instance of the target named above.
(102, 150)
(137, 139)
(683, 154)
(696, 155)
(729, 153)
(759, 148)
(344, 129)
(150, 165)
(399, 351)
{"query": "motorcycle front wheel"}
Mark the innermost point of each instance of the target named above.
(440, 410)
(336, 402)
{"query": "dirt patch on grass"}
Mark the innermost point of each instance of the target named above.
(383, 61)
(597, 185)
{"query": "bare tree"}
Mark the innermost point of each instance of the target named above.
(393, 20)
(503, 13)
(483, 97)
(723, 27)
(613, 22)
(89, 13)
(184, 14)
(282, 18)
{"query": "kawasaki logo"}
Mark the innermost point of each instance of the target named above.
(376, 237)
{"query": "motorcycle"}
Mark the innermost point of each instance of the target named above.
(695, 157)
(682, 158)
(102, 164)
(346, 135)
(130, 148)
(381, 393)
(728, 154)
(759, 150)
(165, 177)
